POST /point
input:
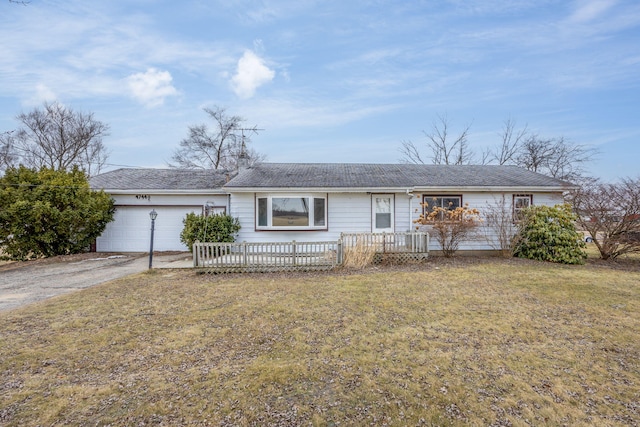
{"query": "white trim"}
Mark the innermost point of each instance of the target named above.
(479, 189)
(214, 191)
(388, 190)
(374, 212)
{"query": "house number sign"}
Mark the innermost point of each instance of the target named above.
(143, 197)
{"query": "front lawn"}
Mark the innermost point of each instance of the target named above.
(459, 342)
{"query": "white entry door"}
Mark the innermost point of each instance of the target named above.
(382, 213)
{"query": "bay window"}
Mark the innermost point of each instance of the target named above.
(298, 212)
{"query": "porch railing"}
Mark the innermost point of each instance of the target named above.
(389, 242)
(276, 256)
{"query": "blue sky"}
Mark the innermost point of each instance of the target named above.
(331, 81)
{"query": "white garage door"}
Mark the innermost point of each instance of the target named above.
(130, 231)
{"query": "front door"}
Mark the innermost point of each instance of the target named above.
(382, 208)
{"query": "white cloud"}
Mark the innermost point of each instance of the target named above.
(250, 75)
(151, 87)
(42, 94)
(310, 112)
(590, 9)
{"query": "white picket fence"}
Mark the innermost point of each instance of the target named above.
(271, 256)
(282, 256)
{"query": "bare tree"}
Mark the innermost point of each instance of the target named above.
(534, 153)
(568, 160)
(554, 157)
(411, 153)
(56, 137)
(216, 148)
(511, 140)
(610, 213)
(7, 153)
(445, 149)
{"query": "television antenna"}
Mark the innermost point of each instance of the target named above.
(254, 129)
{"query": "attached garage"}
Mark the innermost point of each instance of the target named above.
(131, 229)
(172, 193)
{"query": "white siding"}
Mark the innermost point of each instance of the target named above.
(484, 238)
(351, 212)
(548, 199)
(346, 212)
(168, 199)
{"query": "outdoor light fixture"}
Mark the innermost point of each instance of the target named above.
(153, 215)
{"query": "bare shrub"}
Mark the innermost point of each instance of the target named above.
(500, 230)
(450, 227)
(359, 255)
(610, 213)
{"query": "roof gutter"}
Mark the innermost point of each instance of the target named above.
(420, 189)
(161, 191)
(510, 189)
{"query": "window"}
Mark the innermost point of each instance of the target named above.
(319, 212)
(521, 202)
(382, 212)
(263, 217)
(291, 212)
(444, 202)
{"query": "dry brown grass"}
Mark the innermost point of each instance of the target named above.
(462, 342)
(359, 255)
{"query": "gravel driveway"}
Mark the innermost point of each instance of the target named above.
(27, 282)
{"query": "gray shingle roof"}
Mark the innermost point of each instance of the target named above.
(159, 179)
(327, 175)
(353, 175)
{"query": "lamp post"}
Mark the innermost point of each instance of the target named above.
(153, 215)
